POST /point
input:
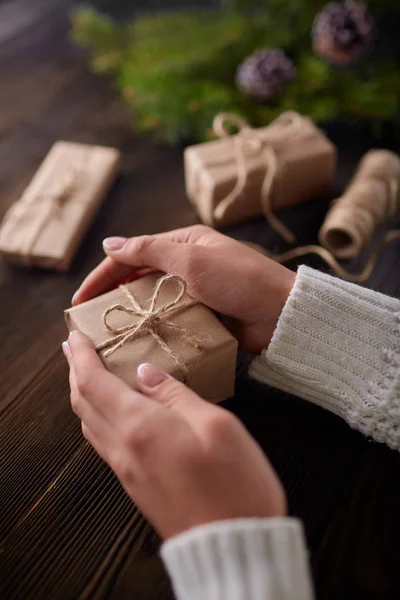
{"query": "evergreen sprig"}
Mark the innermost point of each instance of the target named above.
(176, 70)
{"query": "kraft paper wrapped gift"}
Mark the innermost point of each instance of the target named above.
(289, 162)
(46, 225)
(154, 320)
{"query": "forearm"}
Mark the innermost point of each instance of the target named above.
(338, 345)
(242, 559)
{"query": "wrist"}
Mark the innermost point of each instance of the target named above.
(272, 299)
(278, 297)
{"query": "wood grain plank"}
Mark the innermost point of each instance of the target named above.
(359, 555)
(38, 435)
(19, 16)
(67, 529)
(59, 561)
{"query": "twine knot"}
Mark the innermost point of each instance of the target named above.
(53, 201)
(56, 197)
(252, 141)
(151, 321)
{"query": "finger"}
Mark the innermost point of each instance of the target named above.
(93, 419)
(194, 234)
(74, 395)
(84, 410)
(105, 392)
(123, 465)
(171, 393)
(107, 436)
(105, 451)
(119, 264)
(146, 251)
(66, 351)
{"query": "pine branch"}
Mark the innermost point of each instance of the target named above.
(175, 71)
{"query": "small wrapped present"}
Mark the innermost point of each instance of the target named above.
(46, 225)
(258, 171)
(154, 320)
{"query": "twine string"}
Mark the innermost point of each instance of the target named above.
(151, 321)
(369, 201)
(248, 142)
(53, 201)
(330, 259)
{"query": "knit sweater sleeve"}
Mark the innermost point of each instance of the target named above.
(338, 345)
(241, 559)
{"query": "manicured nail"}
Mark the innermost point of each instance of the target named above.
(151, 375)
(114, 243)
(66, 349)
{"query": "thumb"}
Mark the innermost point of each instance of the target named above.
(175, 395)
(146, 251)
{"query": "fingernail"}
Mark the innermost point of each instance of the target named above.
(66, 349)
(151, 375)
(73, 297)
(114, 243)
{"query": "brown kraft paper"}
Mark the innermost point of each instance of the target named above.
(210, 370)
(46, 225)
(305, 158)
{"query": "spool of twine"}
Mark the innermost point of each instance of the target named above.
(369, 201)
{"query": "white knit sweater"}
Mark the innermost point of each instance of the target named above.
(337, 345)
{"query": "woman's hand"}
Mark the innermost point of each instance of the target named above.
(183, 461)
(224, 274)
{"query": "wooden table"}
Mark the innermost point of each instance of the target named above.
(67, 530)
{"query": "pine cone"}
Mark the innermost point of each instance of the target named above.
(343, 31)
(264, 73)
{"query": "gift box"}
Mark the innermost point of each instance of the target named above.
(46, 225)
(258, 171)
(154, 320)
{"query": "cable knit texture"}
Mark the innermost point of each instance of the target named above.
(243, 559)
(338, 345)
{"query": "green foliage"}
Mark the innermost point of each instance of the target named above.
(176, 70)
(92, 29)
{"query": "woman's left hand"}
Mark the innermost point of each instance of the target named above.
(184, 461)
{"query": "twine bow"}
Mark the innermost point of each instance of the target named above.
(151, 321)
(250, 141)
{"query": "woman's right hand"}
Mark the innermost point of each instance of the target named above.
(222, 273)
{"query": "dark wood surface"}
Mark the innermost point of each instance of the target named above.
(67, 530)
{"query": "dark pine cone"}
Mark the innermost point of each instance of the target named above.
(264, 73)
(343, 31)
